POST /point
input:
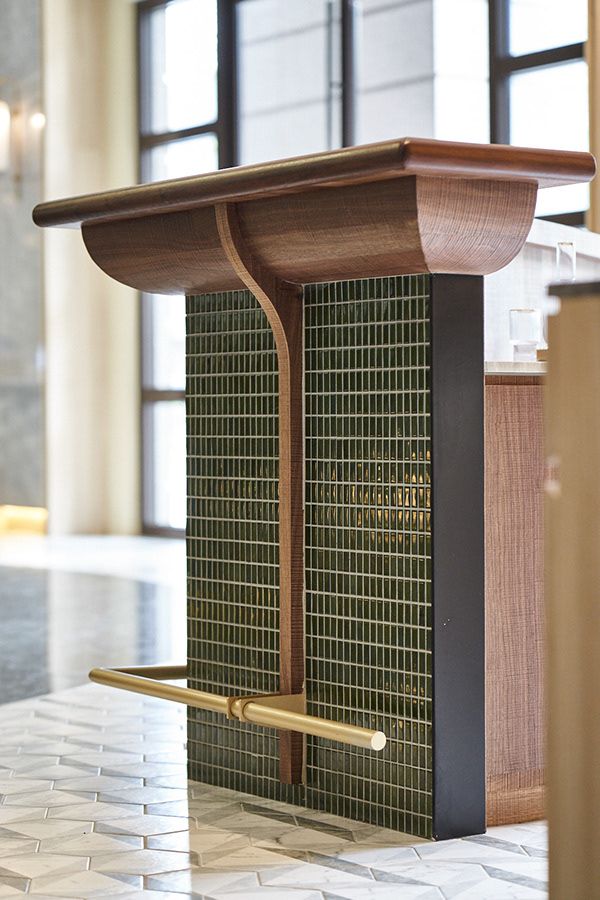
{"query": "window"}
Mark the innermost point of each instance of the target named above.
(189, 53)
(285, 108)
(319, 74)
(539, 87)
(185, 84)
(296, 62)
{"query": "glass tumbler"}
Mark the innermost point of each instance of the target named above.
(526, 333)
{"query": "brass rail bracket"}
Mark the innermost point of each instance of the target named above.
(288, 702)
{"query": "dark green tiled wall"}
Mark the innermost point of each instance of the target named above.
(232, 542)
(368, 544)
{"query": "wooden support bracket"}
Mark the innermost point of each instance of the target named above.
(283, 305)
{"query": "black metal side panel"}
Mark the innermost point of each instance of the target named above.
(458, 555)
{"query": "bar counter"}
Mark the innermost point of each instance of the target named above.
(335, 459)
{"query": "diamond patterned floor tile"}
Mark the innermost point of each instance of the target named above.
(79, 885)
(19, 786)
(94, 802)
(144, 825)
(47, 828)
(92, 844)
(32, 865)
(15, 845)
(142, 862)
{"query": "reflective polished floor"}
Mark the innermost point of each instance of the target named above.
(94, 800)
(68, 604)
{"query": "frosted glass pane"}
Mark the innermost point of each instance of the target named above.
(549, 108)
(164, 350)
(541, 24)
(177, 159)
(394, 71)
(183, 65)
(167, 469)
(289, 78)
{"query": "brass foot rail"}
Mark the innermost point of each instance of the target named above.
(283, 711)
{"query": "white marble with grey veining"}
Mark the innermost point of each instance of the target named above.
(94, 803)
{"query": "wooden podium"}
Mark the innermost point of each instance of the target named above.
(335, 471)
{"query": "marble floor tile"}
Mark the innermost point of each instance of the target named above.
(299, 838)
(94, 798)
(22, 786)
(491, 890)
(10, 886)
(385, 892)
(7, 893)
(93, 844)
(80, 885)
(176, 808)
(31, 865)
(101, 783)
(142, 862)
(95, 811)
(97, 758)
(12, 846)
(154, 770)
(20, 814)
(55, 772)
(178, 840)
(85, 818)
(48, 799)
(144, 825)
(156, 895)
(377, 855)
(42, 829)
(260, 893)
(144, 795)
(203, 882)
(169, 781)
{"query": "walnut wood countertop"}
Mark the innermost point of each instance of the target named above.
(336, 168)
(397, 207)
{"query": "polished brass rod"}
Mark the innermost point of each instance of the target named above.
(127, 679)
(162, 673)
(354, 735)
(146, 680)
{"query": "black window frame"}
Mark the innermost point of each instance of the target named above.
(225, 128)
(503, 65)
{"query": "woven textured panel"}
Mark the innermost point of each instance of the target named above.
(368, 541)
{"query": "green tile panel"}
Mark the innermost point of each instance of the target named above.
(368, 541)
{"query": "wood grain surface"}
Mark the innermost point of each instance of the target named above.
(176, 254)
(405, 226)
(283, 306)
(473, 227)
(381, 161)
(514, 600)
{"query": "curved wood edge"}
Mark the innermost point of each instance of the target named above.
(283, 306)
(471, 226)
(399, 227)
(335, 168)
(178, 253)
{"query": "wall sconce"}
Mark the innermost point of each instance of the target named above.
(19, 132)
(5, 140)
(37, 121)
